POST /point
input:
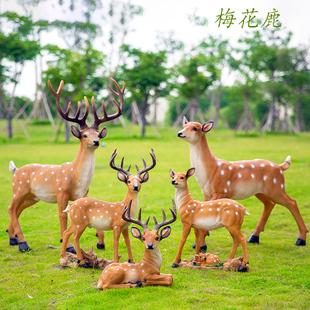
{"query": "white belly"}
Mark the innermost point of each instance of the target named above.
(208, 223)
(45, 193)
(245, 190)
(100, 224)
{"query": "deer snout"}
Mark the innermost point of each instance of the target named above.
(179, 134)
(96, 142)
(173, 182)
(150, 246)
(135, 187)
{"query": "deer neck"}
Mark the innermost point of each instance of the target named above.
(135, 201)
(153, 259)
(182, 197)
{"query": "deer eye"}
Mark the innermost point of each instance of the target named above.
(143, 239)
(85, 136)
(194, 128)
(128, 181)
(182, 178)
(156, 238)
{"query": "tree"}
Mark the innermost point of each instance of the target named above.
(146, 77)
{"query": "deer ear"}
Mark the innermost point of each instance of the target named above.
(207, 126)
(172, 173)
(190, 172)
(136, 232)
(185, 121)
(121, 176)
(165, 232)
(75, 131)
(102, 133)
(145, 177)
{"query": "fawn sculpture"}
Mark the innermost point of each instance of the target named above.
(101, 215)
(69, 181)
(206, 216)
(147, 272)
(219, 178)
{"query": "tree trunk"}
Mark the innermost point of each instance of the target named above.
(193, 109)
(218, 105)
(273, 116)
(9, 117)
(297, 116)
(67, 131)
(246, 113)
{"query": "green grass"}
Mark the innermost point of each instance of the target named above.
(279, 276)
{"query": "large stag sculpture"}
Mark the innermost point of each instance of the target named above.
(59, 184)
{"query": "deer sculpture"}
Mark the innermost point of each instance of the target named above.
(206, 216)
(147, 272)
(101, 215)
(219, 178)
(69, 181)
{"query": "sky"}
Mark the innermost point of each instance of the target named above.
(164, 16)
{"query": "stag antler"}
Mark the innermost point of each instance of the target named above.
(145, 169)
(120, 108)
(65, 115)
(128, 218)
(121, 169)
(165, 222)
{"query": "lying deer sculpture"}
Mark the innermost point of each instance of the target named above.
(206, 216)
(69, 181)
(218, 178)
(101, 215)
(147, 272)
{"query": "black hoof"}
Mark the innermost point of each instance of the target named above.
(253, 239)
(23, 246)
(85, 265)
(203, 249)
(13, 241)
(300, 242)
(194, 263)
(194, 245)
(175, 266)
(60, 240)
(71, 250)
(100, 246)
(242, 269)
(139, 284)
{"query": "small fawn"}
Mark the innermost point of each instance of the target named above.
(206, 216)
(101, 215)
(147, 272)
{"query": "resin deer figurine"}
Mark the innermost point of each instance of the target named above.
(206, 216)
(147, 272)
(219, 178)
(101, 215)
(59, 184)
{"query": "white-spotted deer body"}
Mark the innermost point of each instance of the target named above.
(207, 216)
(147, 272)
(101, 215)
(60, 183)
(219, 178)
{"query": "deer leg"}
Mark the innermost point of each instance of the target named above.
(158, 279)
(127, 242)
(185, 232)
(268, 207)
(78, 230)
(199, 235)
(67, 233)
(290, 203)
(100, 243)
(62, 201)
(116, 235)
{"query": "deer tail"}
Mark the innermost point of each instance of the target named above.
(12, 167)
(68, 208)
(245, 212)
(286, 164)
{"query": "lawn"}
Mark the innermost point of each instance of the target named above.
(279, 276)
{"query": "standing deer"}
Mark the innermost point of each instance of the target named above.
(101, 215)
(69, 181)
(219, 178)
(206, 216)
(147, 272)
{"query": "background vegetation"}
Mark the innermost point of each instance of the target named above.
(279, 274)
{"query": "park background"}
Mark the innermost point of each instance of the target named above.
(175, 60)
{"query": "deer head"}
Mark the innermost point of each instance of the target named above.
(193, 131)
(180, 179)
(89, 136)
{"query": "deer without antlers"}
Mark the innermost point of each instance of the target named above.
(206, 216)
(104, 215)
(219, 178)
(69, 181)
(147, 272)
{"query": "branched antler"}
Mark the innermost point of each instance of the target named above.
(121, 169)
(165, 222)
(128, 218)
(145, 169)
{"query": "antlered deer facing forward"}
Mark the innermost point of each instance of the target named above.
(219, 178)
(69, 181)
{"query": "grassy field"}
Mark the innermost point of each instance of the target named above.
(279, 276)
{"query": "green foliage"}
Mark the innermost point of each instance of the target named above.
(278, 277)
